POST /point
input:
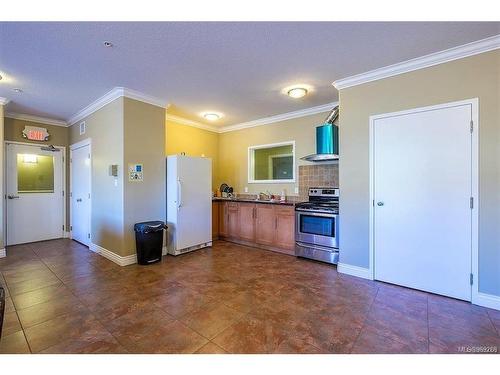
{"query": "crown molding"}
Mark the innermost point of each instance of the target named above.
(254, 123)
(112, 95)
(4, 101)
(455, 53)
(41, 120)
(278, 118)
(195, 124)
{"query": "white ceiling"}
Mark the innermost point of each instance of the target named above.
(235, 68)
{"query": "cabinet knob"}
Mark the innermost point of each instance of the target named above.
(380, 203)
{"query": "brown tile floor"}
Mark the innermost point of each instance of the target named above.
(62, 298)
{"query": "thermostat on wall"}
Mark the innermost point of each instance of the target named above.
(113, 170)
(135, 172)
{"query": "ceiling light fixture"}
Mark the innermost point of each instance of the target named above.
(212, 116)
(107, 44)
(1, 77)
(17, 89)
(297, 92)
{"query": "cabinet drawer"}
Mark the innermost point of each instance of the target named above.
(284, 210)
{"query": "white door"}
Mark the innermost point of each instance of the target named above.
(34, 192)
(194, 220)
(80, 193)
(422, 190)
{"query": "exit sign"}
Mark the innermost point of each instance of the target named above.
(35, 133)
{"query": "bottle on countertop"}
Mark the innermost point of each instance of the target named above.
(283, 196)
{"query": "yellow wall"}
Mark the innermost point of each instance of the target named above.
(233, 151)
(194, 142)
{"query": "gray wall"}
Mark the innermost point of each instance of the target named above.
(476, 76)
(59, 136)
(105, 129)
(2, 150)
(144, 143)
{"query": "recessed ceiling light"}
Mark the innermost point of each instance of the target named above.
(107, 44)
(212, 116)
(297, 91)
(17, 89)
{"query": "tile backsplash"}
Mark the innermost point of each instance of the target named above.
(317, 175)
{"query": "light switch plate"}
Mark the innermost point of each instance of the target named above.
(296, 190)
(246, 189)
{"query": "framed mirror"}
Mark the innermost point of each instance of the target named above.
(272, 163)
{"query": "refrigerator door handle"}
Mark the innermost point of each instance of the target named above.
(179, 194)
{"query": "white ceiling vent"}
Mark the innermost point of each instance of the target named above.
(83, 127)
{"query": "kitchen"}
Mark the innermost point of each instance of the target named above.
(321, 213)
(304, 224)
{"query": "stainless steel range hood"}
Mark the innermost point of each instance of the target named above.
(327, 139)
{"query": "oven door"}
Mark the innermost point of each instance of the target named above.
(316, 228)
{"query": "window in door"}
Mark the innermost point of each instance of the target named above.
(35, 173)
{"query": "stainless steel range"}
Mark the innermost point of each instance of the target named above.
(317, 226)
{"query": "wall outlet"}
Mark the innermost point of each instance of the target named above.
(246, 189)
(296, 190)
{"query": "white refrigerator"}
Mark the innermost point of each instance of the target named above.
(189, 203)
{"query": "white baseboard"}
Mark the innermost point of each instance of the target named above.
(164, 251)
(362, 272)
(487, 300)
(121, 261)
(66, 234)
(3, 253)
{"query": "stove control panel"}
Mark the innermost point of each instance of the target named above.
(323, 192)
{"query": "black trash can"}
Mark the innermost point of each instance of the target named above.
(149, 241)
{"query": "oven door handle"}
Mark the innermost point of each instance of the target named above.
(316, 247)
(312, 213)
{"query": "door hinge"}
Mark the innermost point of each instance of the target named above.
(471, 203)
(63, 193)
(88, 235)
(88, 156)
(471, 126)
(63, 227)
(471, 279)
(89, 195)
(71, 227)
(373, 203)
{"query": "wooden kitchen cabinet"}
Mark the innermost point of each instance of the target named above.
(233, 220)
(247, 221)
(285, 228)
(265, 224)
(222, 219)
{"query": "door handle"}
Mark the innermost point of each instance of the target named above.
(13, 196)
(179, 194)
(380, 204)
(79, 200)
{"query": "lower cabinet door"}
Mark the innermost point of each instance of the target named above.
(247, 223)
(285, 228)
(265, 224)
(233, 220)
(223, 219)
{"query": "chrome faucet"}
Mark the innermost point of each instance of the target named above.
(267, 194)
